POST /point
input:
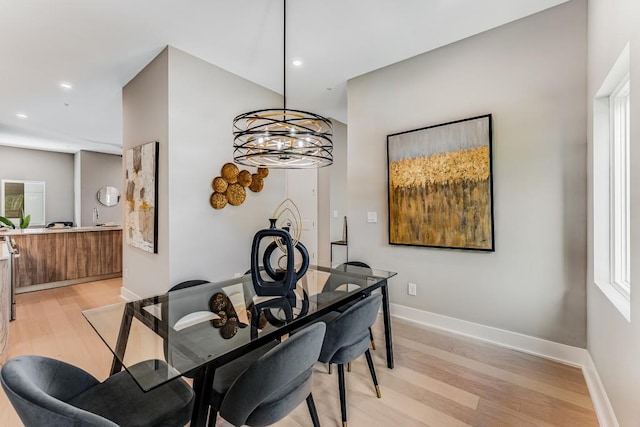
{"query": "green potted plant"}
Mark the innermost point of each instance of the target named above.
(24, 221)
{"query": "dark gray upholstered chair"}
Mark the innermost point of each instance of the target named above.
(179, 308)
(48, 392)
(343, 308)
(259, 391)
(346, 306)
(347, 338)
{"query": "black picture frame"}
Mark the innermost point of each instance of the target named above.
(440, 185)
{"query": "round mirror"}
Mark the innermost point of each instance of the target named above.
(108, 196)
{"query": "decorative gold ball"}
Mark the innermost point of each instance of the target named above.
(244, 178)
(256, 183)
(219, 185)
(236, 194)
(218, 200)
(230, 173)
(263, 172)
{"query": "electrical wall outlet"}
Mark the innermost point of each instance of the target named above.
(372, 217)
(412, 289)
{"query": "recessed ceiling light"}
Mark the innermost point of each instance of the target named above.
(65, 85)
(22, 116)
(297, 62)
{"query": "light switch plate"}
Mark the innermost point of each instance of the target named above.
(335, 214)
(372, 216)
(412, 289)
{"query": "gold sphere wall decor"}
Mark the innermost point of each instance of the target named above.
(230, 173)
(236, 194)
(219, 185)
(218, 200)
(263, 172)
(229, 187)
(244, 178)
(257, 183)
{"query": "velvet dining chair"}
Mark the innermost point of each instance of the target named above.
(49, 392)
(261, 388)
(347, 338)
(336, 285)
(343, 308)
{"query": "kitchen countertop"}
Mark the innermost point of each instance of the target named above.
(18, 232)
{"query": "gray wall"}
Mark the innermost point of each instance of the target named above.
(55, 169)
(188, 105)
(530, 75)
(99, 170)
(613, 342)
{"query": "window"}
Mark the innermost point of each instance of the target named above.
(611, 186)
(619, 108)
(23, 197)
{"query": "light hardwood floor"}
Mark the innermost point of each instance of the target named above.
(440, 379)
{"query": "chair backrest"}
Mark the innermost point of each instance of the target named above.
(38, 388)
(277, 382)
(180, 305)
(357, 264)
(350, 327)
(336, 280)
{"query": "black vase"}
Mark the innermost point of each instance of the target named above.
(282, 281)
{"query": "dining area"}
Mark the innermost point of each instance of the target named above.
(222, 351)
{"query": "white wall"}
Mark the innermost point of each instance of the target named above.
(614, 343)
(55, 169)
(98, 170)
(203, 100)
(530, 74)
(188, 105)
(145, 113)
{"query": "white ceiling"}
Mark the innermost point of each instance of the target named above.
(99, 45)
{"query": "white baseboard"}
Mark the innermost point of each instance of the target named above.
(601, 403)
(562, 353)
(127, 295)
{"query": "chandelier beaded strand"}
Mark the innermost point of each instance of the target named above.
(281, 138)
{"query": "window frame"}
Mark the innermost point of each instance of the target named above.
(611, 186)
(619, 101)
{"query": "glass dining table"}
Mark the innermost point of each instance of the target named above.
(192, 331)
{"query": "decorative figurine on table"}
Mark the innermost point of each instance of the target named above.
(285, 229)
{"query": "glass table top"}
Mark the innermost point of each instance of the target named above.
(217, 322)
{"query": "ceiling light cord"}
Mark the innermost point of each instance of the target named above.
(280, 138)
(284, 55)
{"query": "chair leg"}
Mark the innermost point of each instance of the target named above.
(372, 369)
(213, 416)
(329, 368)
(312, 411)
(343, 395)
(349, 367)
(373, 343)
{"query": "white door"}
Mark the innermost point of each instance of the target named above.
(302, 188)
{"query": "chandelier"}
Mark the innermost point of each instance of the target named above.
(281, 138)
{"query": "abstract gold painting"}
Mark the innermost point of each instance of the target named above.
(141, 213)
(440, 186)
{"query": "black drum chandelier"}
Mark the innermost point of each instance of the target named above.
(281, 138)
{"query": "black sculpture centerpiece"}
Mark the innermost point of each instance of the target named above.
(283, 277)
(285, 228)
